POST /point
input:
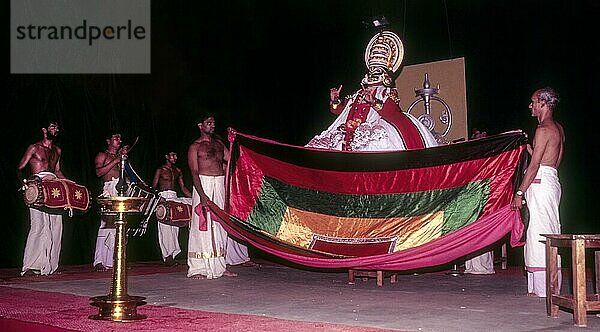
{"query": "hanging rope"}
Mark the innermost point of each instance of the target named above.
(448, 29)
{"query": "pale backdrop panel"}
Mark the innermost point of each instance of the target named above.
(450, 75)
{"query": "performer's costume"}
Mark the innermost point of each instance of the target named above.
(360, 127)
(42, 250)
(105, 242)
(207, 238)
(543, 198)
(378, 125)
(168, 236)
(482, 264)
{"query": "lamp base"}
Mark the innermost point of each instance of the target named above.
(118, 310)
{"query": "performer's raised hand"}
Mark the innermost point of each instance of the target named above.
(334, 93)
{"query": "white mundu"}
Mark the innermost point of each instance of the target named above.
(168, 235)
(105, 241)
(482, 264)
(42, 250)
(543, 198)
(206, 249)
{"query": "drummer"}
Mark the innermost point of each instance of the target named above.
(42, 250)
(165, 178)
(107, 168)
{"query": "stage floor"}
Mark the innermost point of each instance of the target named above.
(277, 297)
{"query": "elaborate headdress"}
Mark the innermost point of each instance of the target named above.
(383, 57)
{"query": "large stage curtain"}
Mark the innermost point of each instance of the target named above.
(376, 210)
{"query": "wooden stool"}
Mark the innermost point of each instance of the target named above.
(580, 302)
(366, 274)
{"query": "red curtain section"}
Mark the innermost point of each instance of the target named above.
(253, 166)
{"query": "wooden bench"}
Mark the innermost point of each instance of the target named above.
(579, 301)
(379, 274)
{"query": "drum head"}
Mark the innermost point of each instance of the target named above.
(31, 194)
(161, 212)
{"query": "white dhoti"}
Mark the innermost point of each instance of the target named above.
(482, 264)
(206, 249)
(105, 241)
(543, 198)
(168, 236)
(237, 253)
(42, 250)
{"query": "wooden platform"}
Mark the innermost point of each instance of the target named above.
(365, 275)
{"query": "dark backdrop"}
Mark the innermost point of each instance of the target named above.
(265, 69)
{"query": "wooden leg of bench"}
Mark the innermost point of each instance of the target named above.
(350, 277)
(597, 269)
(579, 283)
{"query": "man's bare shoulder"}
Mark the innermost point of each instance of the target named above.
(35, 146)
(56, 149)
(31, 150)
(545, 129)
(198, 141)
(550, 128)
(194, 145)
(101, 156)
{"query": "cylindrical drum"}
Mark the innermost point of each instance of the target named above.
(174, 213)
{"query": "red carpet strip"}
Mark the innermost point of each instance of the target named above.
(29, 310)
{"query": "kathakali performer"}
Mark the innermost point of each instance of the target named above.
(371, 119)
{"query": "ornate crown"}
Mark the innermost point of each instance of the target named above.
(383, 55)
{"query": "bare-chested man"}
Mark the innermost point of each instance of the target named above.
(42, 250)
(208, 242)
(165, 179)
(541, 187)
(107, 168)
